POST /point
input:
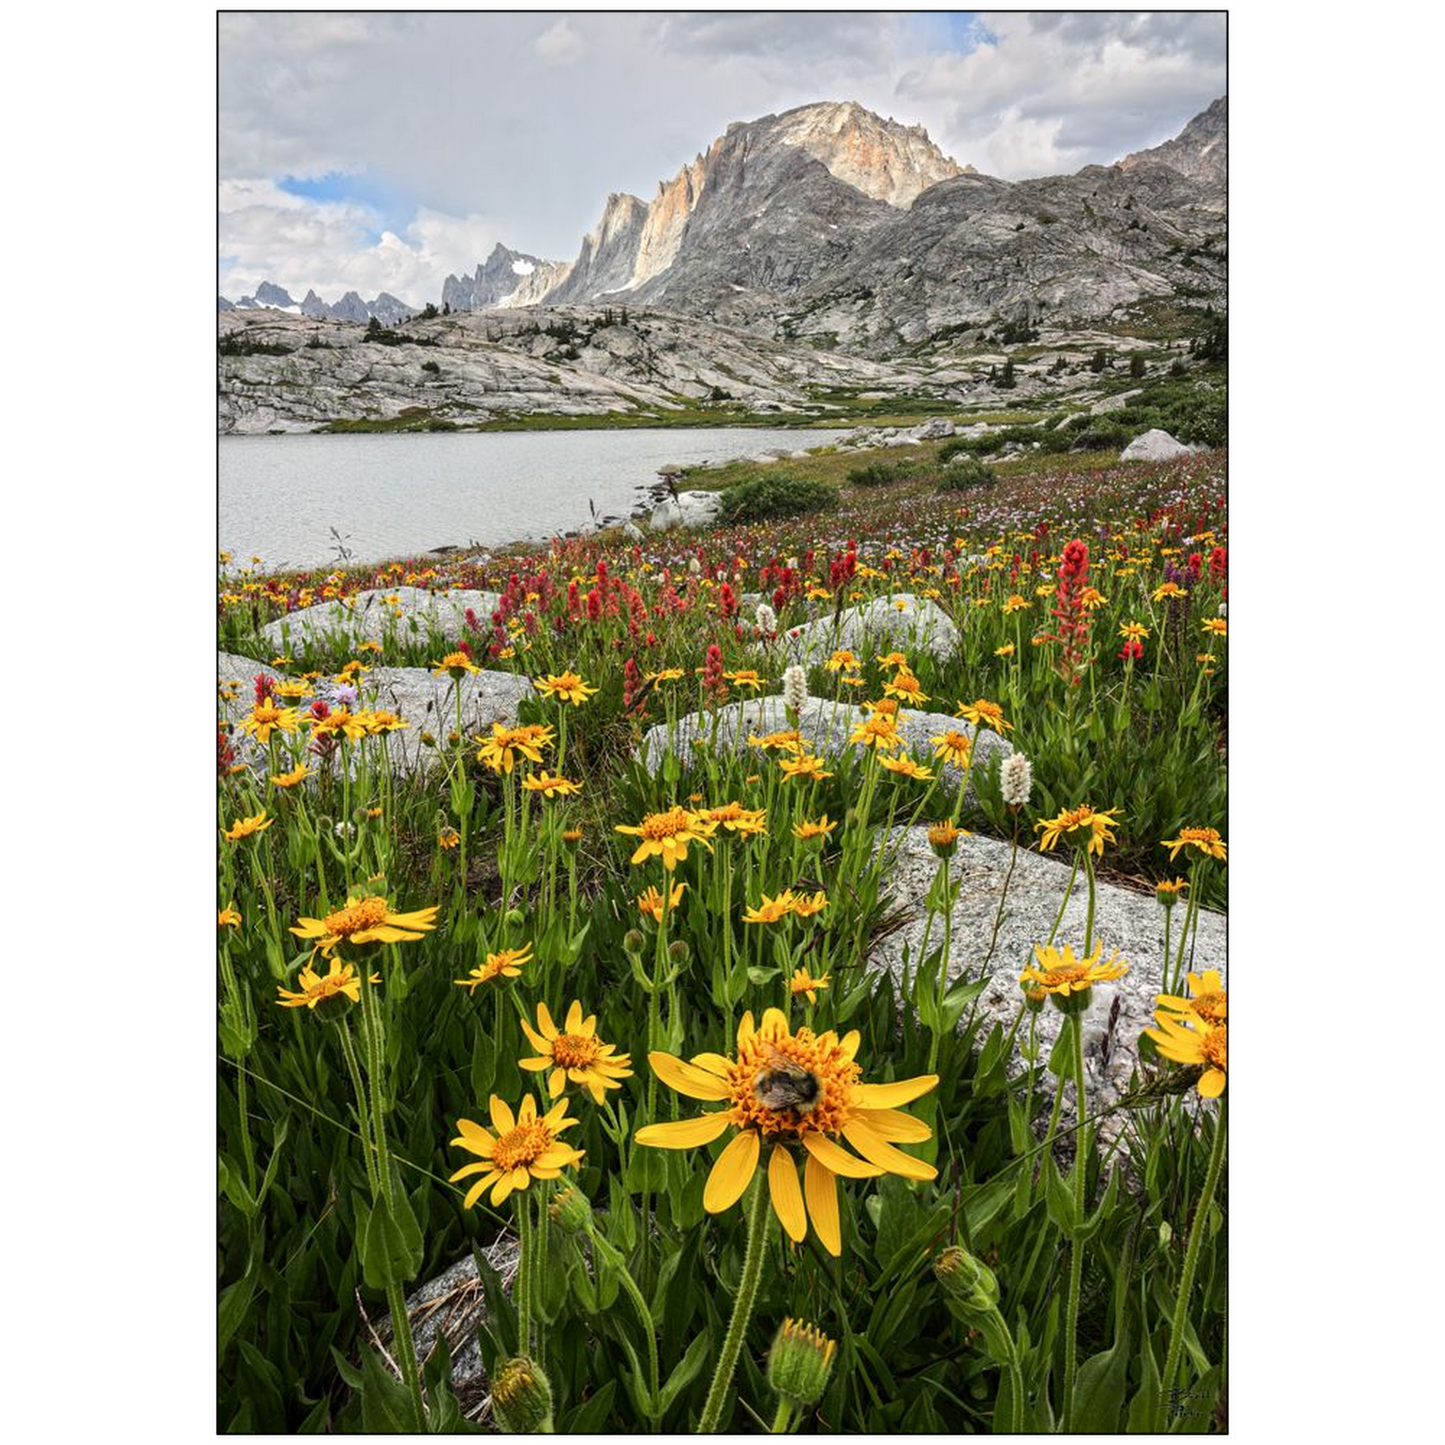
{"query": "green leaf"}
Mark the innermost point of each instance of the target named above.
(385, 1402)
(592, 1414)
(684, 1373)
(1144, 1407)
(390, 1244)
(1099, 1391)
(1060, 1197)
(235, 1301)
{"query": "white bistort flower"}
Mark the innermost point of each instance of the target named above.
(767, 619)
(795, 687)
(1016, 780)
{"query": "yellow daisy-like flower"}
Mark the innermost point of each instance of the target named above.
(501, 751)
(298, 774)
(550, 786)
(341, 723)
(568, 687)
(1217, 625)
(244, 827)
(803, 982)
(907, 768)
(366, 920)
(320, 989)
(1060, 974)
(892, 659)
(1079, 826)
(906, 688)
(806, 905)
(506, 964)
(456, 665)
(265, 718)
(668, 674)
(650, 902)
(790, 741)
(1133, 631)
(805, 766)
(667, 835)
(370, 646)
(842, 661)
(820, 829)
(448, 839)
(1208, 1002)
(227, 917)
(738, 819)
(943, 837)
(745, 677)
(1169, 890)
(772, 910)
(1007, 650)
(1206, 840)
(1190, 1041)
(798, 1093)
(877, 731)
(1016, 604)
(574, 1053)
(1093, 599)
(981, 712)
(517, 1149)
(953, 747)
(1167, 590)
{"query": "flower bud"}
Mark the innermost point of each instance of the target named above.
(522, 1397)
(678, 951)
(1035, 999)
(571, 837)
(943, 838)
(571, 1210)
(428, 740)
(514, 918)
(968, 1282)
(800, 1362)
(632, 942)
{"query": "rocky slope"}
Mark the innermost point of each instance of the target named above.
(832, 223)
(279, 372)
(1200, 151)
(503, 278)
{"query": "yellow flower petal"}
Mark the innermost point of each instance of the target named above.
(889, 1096)
(685, 1133)
(894, 1125)
(822, 1191)
(732, 1173)
(832, 1156)
(503, 1120)
(787, 1196)
(878, 1151)
(1211, 1084)
(686, 1079)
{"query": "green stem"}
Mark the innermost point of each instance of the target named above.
(406, 1352)
(1089, 916)
(742, 1310)
(363, 1118)
(522, 1289)
(644, 1315)
(783, 1420)
(1076, 1250)
(1016, 1378)
(1191, 1263)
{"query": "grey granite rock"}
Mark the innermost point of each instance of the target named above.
(426, 702)
(918, 624)
(370, 617)
(1126, 921)
(824, 724)
(1154, 446)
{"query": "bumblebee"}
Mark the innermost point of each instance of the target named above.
(784, 1085)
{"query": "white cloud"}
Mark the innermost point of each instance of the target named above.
(558, 44)
(331, 247)
(515, 126)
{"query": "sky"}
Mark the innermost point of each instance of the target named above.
(381, 151)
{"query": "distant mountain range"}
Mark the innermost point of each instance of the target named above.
(832, 224)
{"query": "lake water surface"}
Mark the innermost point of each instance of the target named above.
(396, 496)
